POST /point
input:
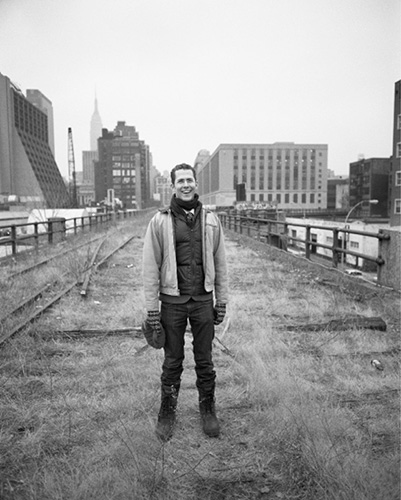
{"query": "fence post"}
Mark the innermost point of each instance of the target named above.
(75, 225)
(36, 234)
(50, 232)
(307, 242)
(13, 240)
(335, 246)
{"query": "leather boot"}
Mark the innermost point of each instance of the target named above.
(166, 417)
(210, 423)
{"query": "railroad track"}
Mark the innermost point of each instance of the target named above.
(48, 259)
(31, 307)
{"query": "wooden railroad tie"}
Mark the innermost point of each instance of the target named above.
(361, 322)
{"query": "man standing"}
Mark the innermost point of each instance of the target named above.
(184, 267)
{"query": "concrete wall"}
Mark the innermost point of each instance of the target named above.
(389, 274)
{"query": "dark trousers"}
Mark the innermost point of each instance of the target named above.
(174, 318)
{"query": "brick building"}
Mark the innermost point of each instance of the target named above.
(368, 180)
(124, 166)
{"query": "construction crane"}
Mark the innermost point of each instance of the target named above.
(71, 171)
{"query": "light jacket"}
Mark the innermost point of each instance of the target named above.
(159, 259)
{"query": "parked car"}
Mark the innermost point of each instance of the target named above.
(353, 272)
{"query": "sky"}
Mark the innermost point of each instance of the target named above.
(193, 74)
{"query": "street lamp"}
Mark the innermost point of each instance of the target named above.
(346, 235)
(372, 202)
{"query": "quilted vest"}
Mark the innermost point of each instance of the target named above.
(188, 248)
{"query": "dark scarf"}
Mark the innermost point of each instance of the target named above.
(179, 206)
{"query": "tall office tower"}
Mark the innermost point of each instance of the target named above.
(283, 174)
(163, 189)
(28, 171)
(86, 191)
(395, 176)
(44, 104)
(124, 166)
(96, 128)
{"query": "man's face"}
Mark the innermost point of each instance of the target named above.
(185, 185)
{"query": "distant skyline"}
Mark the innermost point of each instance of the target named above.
(190, 75)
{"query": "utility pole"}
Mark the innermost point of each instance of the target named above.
(71, 171)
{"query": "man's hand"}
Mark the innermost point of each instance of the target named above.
(219, 313)
(153, 320)
(153, 330)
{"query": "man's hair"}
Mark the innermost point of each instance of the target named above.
(181, 166)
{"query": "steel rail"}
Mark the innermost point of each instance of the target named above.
(48, 259)
(84, 289)
(36, 314)
(87, 273)
(27, 302)
(32, 317)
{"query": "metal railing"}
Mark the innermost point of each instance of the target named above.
(276, 232)
(54, 229)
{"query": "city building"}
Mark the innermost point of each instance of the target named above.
(163, 189)
(95, 128)
(124, 167)
(395, 174)
(337, 193)
(28, 172)
(86, 190)
(44, 104)
(201, 158)
(368, 180)
(282, 174)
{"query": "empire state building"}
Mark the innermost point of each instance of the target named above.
(87, 190)
(96, 128)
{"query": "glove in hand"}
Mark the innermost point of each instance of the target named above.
(219, 313)
(153, 320)
(153, 330)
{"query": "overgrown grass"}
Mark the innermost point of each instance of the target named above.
(304, 415)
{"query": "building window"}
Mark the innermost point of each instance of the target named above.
(295, 198)
(303, 198)
(354, 244)
(312, 198)
(397, 206)
(398, 150)
(398, 178)
(261, 197)
(399, 122)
